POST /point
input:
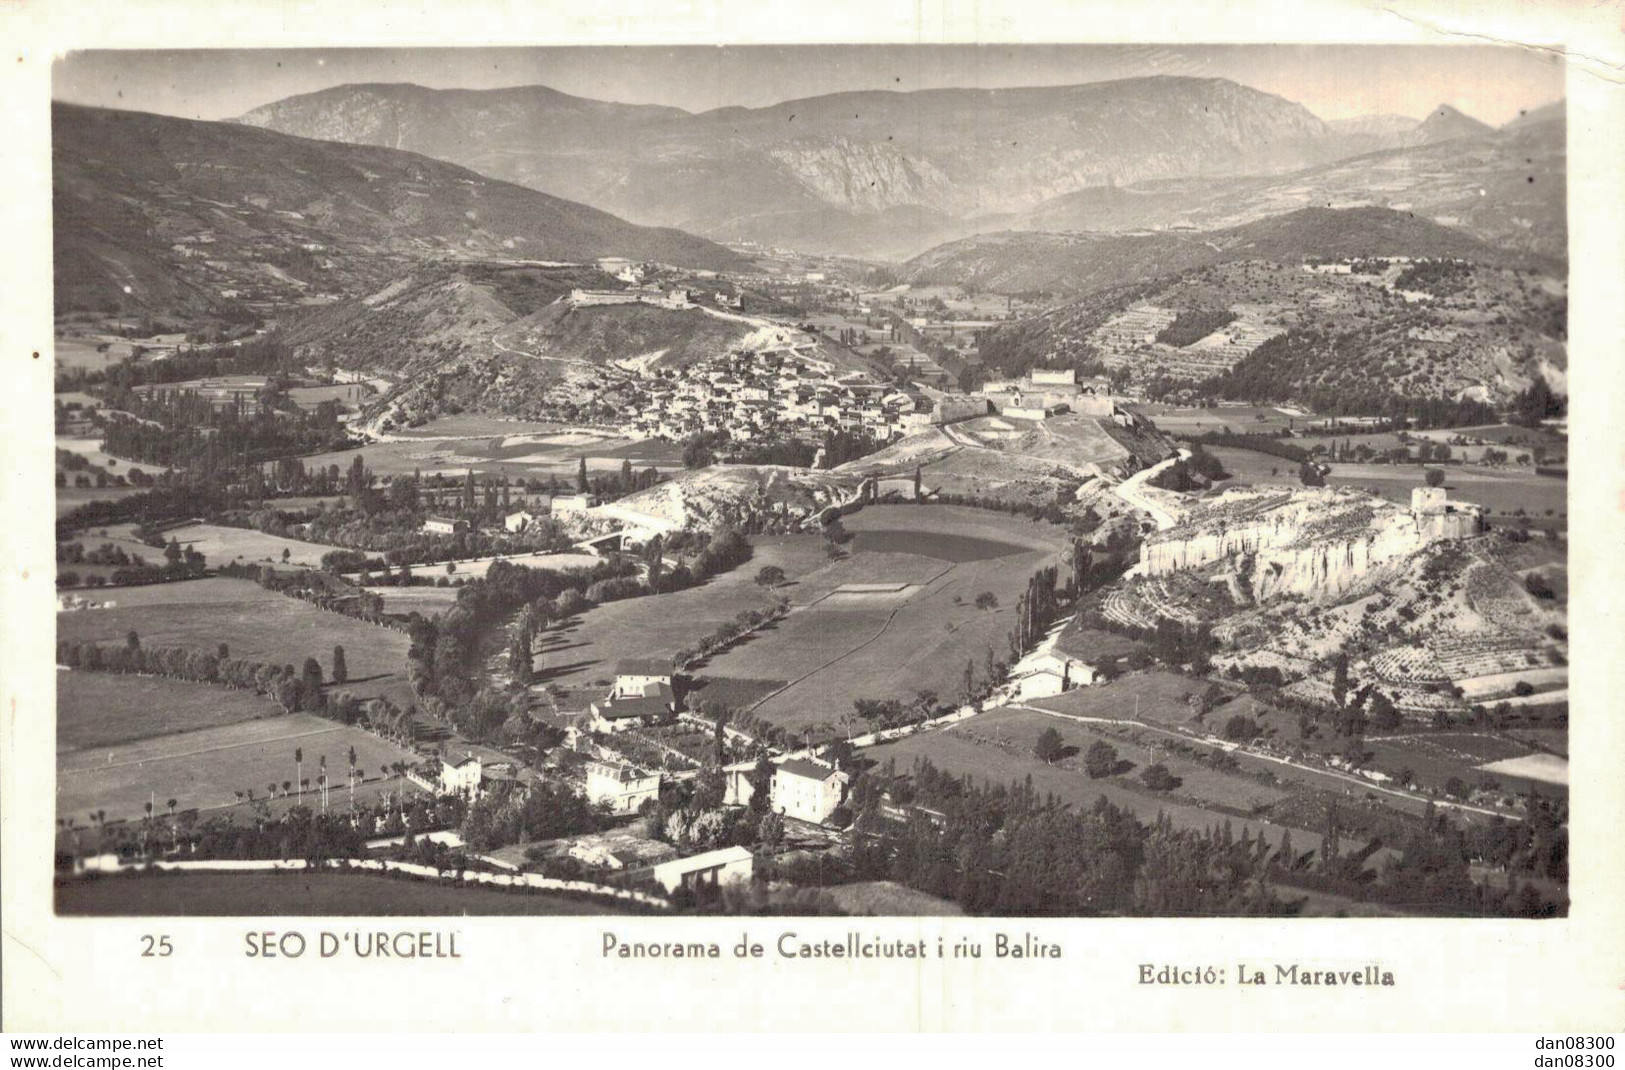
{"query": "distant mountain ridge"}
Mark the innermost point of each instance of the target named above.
(174, 215)
(1034, 262)
(864, 173)
(1506, 188)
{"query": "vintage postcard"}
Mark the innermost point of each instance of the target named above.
(739, 516)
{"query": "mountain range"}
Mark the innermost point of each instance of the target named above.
(889, 174)
(170, 215)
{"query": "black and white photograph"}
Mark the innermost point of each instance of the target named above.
(923, 481)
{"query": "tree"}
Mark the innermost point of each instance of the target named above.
(987, 600)
(770, 576)
(341, 672)
(1050, 747)
(132, 641)
(1100, 760)
(1157, 778)
(1384, 716)
(1240, 728)
(1340, 680)
(310, 685)
(1435, 477)
(581, 475)
(761, 785)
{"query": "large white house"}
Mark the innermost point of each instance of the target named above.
(807, 791)
(461, 778)
(643, 693)
(623, 787)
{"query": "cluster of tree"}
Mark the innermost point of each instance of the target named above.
(180, 563)
(1192, 325)
(440, 659)
(183, 430)
(540, 810)
(1432, 870)
(301, 831)
(1434, 276)
(1539, 402)
(293, 691)
(320, 588)
(163, 502)
(1313, 367)
(838, 446)
(1008, 851)
(1170, 642)
(74, 553)
(1197, 472)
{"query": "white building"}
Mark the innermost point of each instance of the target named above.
(521, 521)
(461, 778)
(1053, 673)
(729, 865)
(444, 525)
(625, 788)
(807, 791)
(572, 503)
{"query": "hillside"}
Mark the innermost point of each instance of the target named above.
(863, 173)
(1342, 337)
(1018, 262)
(165, 215)
(1445, 123)
(1505, 187)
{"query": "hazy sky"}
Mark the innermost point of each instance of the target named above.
(1333, 81)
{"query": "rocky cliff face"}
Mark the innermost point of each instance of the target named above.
(1317, 544)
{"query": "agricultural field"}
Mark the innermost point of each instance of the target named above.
(954, 750)
(70, 498)
(205, 768)
(906, 620)
(527, 455)
(1502, 491)
(257, 624)
(1153, 697)
(221, 544)
(1236, 419)
(98, 709)
(480, 566)
(582, 652)
(301, 894)
(1435, 757)
(425, 600)
(475, 425)
(348, 395)
(89, 353)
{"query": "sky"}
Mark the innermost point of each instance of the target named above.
(1334, 81)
